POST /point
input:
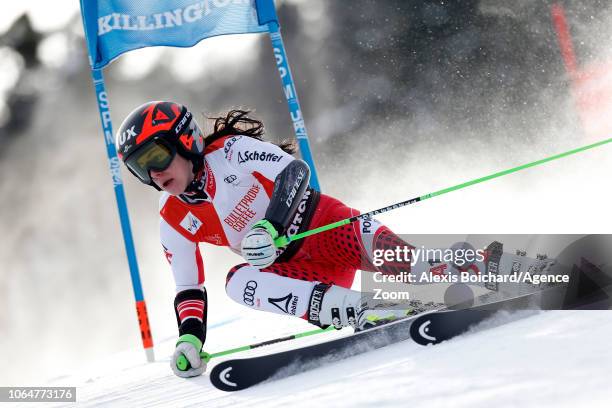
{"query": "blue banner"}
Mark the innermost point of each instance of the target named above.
(113, 27)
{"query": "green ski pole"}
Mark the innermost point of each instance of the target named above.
(183, 364)
(283, 241)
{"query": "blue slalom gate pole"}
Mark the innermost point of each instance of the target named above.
(299, 127)
(115, 169)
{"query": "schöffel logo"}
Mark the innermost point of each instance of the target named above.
(283, 303)
(261, 156)
(248, 296)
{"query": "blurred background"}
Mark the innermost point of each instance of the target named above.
(400, 98)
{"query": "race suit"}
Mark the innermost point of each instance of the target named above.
(237, 183)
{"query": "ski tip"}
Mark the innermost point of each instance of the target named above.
(224, 379)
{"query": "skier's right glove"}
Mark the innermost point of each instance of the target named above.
(258, 247)
(188, 346)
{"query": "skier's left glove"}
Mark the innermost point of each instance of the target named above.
(189, 347)
(258, 247)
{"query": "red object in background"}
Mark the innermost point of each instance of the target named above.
(565, 39)
(591, 85)
(593, 93)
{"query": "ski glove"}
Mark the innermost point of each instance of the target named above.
(258, 247)
(188, 346)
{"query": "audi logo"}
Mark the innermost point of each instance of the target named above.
(248, 295)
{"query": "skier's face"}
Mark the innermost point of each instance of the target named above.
(176, 177)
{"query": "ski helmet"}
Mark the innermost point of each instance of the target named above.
(152, 134)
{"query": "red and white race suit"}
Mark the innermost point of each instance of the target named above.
(239, 180)
(239, 177)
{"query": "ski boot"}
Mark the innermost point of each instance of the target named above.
(332, 305)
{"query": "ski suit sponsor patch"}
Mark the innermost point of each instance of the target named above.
(366, 225)
(285, 303)
(247, 155)
(248, 295)
(191, 223)
(242, 212)
(298, 218)
(227, 149)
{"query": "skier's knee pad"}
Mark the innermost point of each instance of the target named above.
(267, 291)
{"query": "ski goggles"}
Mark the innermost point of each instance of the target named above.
(156, 154)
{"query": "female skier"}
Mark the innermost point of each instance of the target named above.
(233, 189)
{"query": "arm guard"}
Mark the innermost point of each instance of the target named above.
(190, 307)
(289, 187)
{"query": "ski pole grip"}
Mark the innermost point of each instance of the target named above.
(183, 364)
(281, 241)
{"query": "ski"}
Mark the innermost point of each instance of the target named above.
(427, 327)
(437, 326)
(430, 327)
(238, 374)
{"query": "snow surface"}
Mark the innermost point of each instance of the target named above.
(559, 359)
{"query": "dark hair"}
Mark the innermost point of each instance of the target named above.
(236, 122)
